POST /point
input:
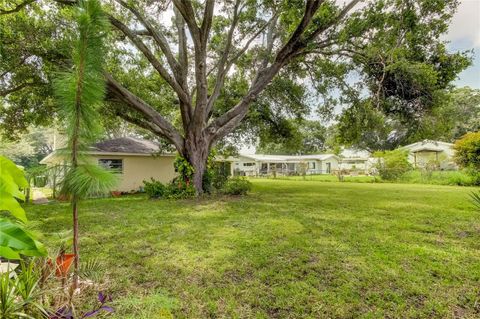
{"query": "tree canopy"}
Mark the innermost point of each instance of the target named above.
(455, 112)
(191, 72)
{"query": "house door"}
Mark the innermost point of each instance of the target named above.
(328, 167)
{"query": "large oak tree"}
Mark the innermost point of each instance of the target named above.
(191, 71)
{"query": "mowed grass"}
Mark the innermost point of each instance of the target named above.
(291, 249)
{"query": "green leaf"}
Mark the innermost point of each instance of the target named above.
(15, 237)
(11, 205)
(13, 171)
(11, 179)
(9, 253)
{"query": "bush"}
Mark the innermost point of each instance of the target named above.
(237, 186)
(154, 189)
(179, 189)
(216, 176)
(467, 151)
(392, 164)
(176, 189)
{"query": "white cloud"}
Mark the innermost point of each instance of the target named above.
(465, 25)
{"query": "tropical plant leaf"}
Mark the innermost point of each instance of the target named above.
(13, 171)
(11, 204)
(9, 253)
(11, 179)
(17, 239)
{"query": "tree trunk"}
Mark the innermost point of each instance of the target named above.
(76, 252)
(197, 155)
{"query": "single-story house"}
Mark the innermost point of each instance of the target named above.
(260, 164)
(133, 159)
(427, 152)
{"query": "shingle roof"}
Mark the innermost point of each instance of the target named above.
(126, 145)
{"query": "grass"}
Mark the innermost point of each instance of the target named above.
(331, 178)
(291, 249)
(438, 178)
(459, 178)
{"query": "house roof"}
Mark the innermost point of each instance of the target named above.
(288, 158)
(126, 145)
(428, 146)
(122, 146)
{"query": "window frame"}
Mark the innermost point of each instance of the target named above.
(108, 167)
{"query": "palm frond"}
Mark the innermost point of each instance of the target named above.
(475, 196)
(88, 180)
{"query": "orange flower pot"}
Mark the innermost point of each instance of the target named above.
(63, 264)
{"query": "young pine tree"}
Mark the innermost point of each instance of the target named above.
(79, 92)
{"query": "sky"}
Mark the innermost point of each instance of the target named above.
(464, 34)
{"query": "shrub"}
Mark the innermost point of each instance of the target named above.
(393, 164)
(179, 189)
(176, 189)
(154, 189)
(237, 186)
(216, 176)
(467, 151)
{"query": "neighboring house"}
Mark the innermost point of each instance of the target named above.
(356, 161)
(133, 159)
(431, 153)
(259, 164)
(357, 164)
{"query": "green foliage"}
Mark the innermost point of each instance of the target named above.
(88, 180)
(11, 180)
(237, 186)
(34, 43)
(91, 268)
(176, 189)
(184, 169)
(293, 137)
(15, 240)
(465, 110)
(460, 178)
(80, 93)
(467, 151)
(216, 174)
(154, 189)
(392, 164)
(475, 196)
(179, 189)
(30, 148)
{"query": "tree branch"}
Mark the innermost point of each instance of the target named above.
(207, 21)
(340, 16)
(158, 37)
(182, 47)
(184, 97)
(221, 67)
(230, 119)
(167, 130)
(186, 10)
(17, 8)
(19, 87)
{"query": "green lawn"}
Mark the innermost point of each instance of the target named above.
(292, 249)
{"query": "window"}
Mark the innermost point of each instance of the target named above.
(311, 165)
(248, 164)
(114, 165)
